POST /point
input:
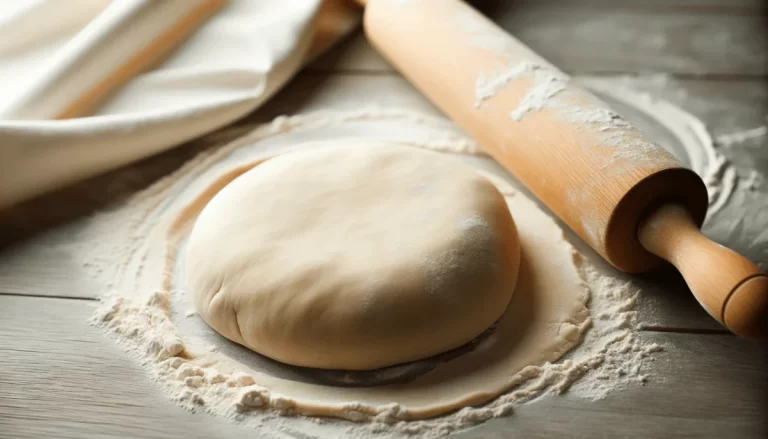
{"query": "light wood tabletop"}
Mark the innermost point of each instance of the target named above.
(60, 377)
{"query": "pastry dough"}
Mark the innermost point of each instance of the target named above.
(354, 258)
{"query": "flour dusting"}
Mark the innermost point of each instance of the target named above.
(612, 355)
(739, 137)
(717, 172)
(540, 96)
(625, 358)
(548, 89)
(488, 87)
(737, 189)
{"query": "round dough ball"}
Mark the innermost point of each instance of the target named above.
(354, 257)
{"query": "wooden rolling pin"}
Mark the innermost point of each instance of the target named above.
(628, 198)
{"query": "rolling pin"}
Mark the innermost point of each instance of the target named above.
(633, 202)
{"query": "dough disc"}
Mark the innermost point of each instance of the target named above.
(354, 258)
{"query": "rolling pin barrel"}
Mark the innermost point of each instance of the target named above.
(586, 163)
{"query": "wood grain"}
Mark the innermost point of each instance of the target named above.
(657, 6)
(728, 285)
(704, 386)
(62, 378)
(77, 383)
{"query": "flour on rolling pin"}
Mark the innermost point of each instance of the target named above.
(486, 87)
(611, 129)
(549, 82)
(719, 175)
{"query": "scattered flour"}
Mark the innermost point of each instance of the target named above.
(540, 95)
(139, 315)
(737, 189)
(754, 181)
(625, 358)
(549, 89)
(487, 87)
(720, 176)
(612, 131)
(728, 140)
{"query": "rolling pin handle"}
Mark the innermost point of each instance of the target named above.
(729, 286)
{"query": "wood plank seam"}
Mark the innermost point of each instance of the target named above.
(642, 327)
(320, 72)
(46, 296)
(728, 10)
(681, 330)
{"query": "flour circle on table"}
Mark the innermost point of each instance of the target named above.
(136, 251)
(545, 318)
(354, 258)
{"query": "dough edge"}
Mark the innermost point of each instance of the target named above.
(403, 402)
(224, 307)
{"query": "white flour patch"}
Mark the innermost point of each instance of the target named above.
(715, 169)
(488, 87)
(737, 190)
(739, 137)
(547, 89)
(546, 83)
(754, 181)
(139, 315)
(540, 96)
(612, 131)
(626, 359)
(473, 222)
(605, 117)
(546, 80)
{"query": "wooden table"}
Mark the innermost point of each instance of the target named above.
(60, 377)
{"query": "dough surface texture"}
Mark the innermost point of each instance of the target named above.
(354, 258)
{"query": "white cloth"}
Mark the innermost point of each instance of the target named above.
(228, 67)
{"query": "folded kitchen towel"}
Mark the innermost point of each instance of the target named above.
(51, 50)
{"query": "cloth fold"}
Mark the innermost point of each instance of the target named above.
(228, 67)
